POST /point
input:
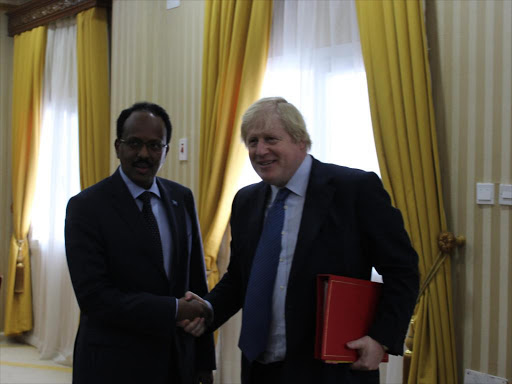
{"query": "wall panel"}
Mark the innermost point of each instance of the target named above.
(6, 56)
(471, 65)
(157, 56)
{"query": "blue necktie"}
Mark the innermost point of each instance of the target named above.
(258, 298)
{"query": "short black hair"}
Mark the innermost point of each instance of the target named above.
(155, 109)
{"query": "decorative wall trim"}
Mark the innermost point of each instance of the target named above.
(40, 12)
(7, 7)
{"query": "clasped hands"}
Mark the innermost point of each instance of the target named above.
(194, 315)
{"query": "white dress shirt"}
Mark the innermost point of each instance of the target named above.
(158, 210)
(276, 346)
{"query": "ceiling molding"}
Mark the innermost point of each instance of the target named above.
(7, 6)
(40, 12)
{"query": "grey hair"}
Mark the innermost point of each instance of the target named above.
(264, 111)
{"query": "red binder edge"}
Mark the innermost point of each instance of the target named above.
(321, 321)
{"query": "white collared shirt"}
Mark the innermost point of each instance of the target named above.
(158, 209)
(294, 205)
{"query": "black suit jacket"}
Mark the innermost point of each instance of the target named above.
(127, 331)
(348, 225)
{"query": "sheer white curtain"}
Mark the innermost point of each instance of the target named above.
(315, 62)
(56, 311)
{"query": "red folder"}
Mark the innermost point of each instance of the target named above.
(345, 310)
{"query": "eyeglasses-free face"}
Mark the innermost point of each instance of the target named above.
(141, 150)
(274, 154)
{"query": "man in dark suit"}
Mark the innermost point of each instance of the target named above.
(337, 220)
(133, 248)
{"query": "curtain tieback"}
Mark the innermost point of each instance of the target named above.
(19, 277)
(446, 242)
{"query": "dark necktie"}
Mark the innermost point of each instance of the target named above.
(151, 222)
(258, 298)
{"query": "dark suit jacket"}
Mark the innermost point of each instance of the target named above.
(348, 225)
(127, 331)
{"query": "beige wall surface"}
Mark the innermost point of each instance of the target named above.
(6, 54)
(471, 62)
(157, 57)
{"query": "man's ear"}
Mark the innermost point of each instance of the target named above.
(116, 146)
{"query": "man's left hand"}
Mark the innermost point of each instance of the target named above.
(204, 377)
(370, 353)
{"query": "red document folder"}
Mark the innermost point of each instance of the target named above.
(345, 310)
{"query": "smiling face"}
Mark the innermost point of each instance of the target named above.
(142, 165)
(274, 154)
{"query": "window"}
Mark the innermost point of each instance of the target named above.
(315, 62)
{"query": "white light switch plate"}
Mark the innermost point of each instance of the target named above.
(505, 194)
(484, 193)
(173, 4)
(183, 149)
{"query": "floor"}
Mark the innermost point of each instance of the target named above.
(20, 364)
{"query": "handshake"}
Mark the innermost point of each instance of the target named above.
(194, 314)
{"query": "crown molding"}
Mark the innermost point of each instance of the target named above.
(40, 12)
(4, 6)
(9, 5)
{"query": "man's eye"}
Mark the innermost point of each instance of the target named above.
(134, 143)
(271, 140)
(155, 146)
(253, 142)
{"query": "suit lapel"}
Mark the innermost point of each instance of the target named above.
(126, 207)
(257, 202)
(175, 216)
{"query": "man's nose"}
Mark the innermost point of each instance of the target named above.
(261, 148)
(143, 151)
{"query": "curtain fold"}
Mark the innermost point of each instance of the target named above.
(236, 40)
(393, 40)
(93, 95)
(56, 312)
(28, 64)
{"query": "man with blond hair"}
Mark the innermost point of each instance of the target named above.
(303, 219)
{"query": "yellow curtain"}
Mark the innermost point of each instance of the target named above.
(93, 95)
(394, 45)
(29, 56)
(236, 41)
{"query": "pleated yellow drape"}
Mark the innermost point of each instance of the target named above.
(93, 95)
(394, 45)
(29, 57)
(236, 41)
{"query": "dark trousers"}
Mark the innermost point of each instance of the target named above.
(267, 373)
